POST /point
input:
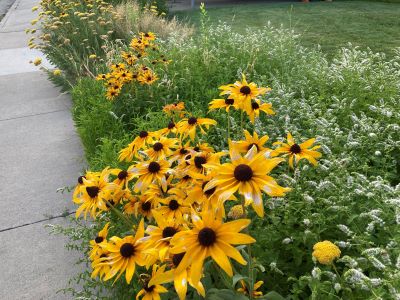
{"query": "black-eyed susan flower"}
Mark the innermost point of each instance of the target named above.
(161, 148)
(129, 58)
(296, 152)
(188, 126)
(250, 141)
(210, 237)
(248, 176)
(93, 193)
(257, 107)
(223, 103)
(150, 36)
(196, 163)
(174, 108)
(99, 269)
(326, 252)
(145, 137)
(147, 77)
(170, 129)
(123, 177)
(159, 236)
(100, 239)
(151, 291)
(174, 208)
(124, 254)
(144, 207)
(243, 92)
(112, 93)
(149, 171)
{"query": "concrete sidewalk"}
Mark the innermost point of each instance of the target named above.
(40, 152)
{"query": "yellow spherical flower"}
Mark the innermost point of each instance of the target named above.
(210, 237)
(92, 56)
(296, 151)
(37, 61)
(57, 72)
(248, 176)
(326, 252)
(125, 253)
(236, 212)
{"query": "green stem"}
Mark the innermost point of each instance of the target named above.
(250, 262)
(229, 127)
(241, 123)
(120, 215)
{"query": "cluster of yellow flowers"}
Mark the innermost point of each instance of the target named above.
(133, 67)
(62, 19)
(179, 186)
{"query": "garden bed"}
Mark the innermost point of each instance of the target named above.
(348, 197)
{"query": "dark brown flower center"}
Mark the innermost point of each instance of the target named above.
(80, 179)
(171, 125)
(98, 239)
(199, 161)
(186, 177)
(168, 232)
(295, 149)
(173, 205)
(146, 206)
(149, 289)
(92, 191)
(210, 191)
(127, 250)
(207, 237)
(122, 175)
(254, 105)
(245, 90)
(243, 173)
(177, 258)
(192, 121)
(154, 167)
(197, 148)
(183, 151)
(143, 134)
(157, 146)
(229, 101)
(251, 145)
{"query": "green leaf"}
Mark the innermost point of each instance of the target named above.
(236, 278)
(273, 296)
(224, 294)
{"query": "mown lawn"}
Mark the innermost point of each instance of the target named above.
(329, 24)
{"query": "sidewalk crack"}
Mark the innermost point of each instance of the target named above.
(64, 215)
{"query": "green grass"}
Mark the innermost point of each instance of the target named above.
(329, 24)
